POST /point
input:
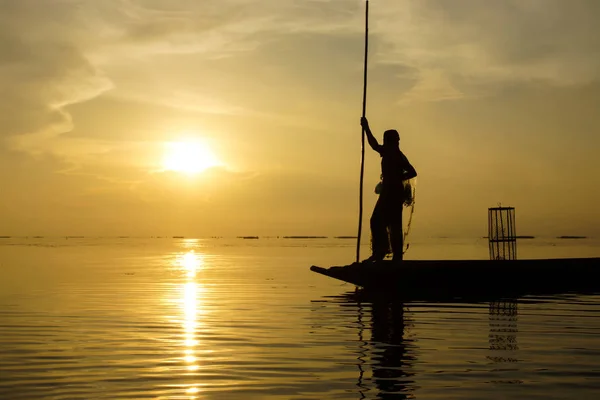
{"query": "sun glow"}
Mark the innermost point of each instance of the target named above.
(189, 157)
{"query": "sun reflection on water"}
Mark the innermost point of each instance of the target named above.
(191, 304)
(190, 323)
(190, 263)
(192, 390)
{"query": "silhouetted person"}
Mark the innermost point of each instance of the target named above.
(395, 169)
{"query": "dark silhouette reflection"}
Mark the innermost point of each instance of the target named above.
(503, 316)
(503, 330)
(391, 351)
(385, 351)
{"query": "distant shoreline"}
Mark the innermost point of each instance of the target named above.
(516, 237)
(305, 237)
(289, 237)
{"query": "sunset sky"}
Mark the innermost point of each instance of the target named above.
(495, 101)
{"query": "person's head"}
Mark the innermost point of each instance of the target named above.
(391, 138)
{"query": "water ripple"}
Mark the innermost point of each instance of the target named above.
(185, 319)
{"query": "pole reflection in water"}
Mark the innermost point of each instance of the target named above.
(190, 263)
(362, 350)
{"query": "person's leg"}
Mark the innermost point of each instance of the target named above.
(397, 231)
(379, 236)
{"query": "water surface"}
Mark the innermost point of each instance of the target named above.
(101, 318)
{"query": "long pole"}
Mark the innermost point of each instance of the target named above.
(362, 146)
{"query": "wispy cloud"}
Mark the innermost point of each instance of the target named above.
(479, 43)
(39, 78)
(58, 53)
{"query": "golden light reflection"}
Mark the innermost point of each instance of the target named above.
(190, 324)
(189, 264)
(189, 157)
(190, 243)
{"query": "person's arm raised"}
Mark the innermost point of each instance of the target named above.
(370, 138)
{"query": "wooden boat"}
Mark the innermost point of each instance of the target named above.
(466, 278)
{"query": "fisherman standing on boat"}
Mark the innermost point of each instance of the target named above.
(395, 170)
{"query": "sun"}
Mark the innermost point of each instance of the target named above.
(190, 157)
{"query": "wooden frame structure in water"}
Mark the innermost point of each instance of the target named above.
(502, 234)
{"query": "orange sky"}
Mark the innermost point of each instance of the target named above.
(494, 101)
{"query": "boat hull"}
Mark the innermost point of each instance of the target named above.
(466, 278)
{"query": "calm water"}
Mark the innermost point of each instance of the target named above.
(246, 319)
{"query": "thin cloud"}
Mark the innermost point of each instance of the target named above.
(480, 43)
(59, 53)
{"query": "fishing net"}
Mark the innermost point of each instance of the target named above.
(408, 209)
